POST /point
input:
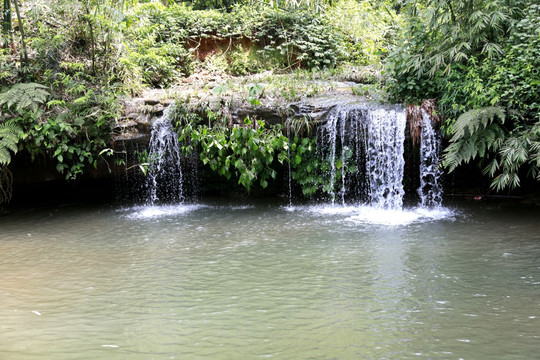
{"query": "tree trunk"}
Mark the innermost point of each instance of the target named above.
(21, 29)
(6, 23)
(92, 38)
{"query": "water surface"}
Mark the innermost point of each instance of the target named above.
(221, 281)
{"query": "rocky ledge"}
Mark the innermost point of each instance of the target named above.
(250, 96)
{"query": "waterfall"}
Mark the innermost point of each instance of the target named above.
(369, 140)
(289, 139)
(360, 148)
(385, 162)
(331, 129)
(164, 181)
(430, 190)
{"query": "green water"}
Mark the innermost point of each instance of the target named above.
(217, 281)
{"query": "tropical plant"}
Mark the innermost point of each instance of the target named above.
(480, 134)
(9, 137)
(476, 133)
(246, 153)
(6, 23)
(24, 95)
(478, 59)
(442, 34)
(369, 26)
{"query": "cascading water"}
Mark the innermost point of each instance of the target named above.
(385, 162)
(361, 145)
(430, 190)
(331, 130)
(289, 163)
(364, 150)
(165, 177)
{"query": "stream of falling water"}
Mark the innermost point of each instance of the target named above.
(363, 146)
(377, 156)
(164, 159)
(289, 163)
(430, 190)
(331, 128)
(385, 162)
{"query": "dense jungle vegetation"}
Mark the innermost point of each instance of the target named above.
(65, 66)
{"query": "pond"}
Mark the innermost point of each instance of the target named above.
(260, 280)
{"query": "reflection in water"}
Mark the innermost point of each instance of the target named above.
(225, 282)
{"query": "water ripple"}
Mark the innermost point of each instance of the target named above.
(228, 282)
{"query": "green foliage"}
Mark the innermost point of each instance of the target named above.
(441, 34)
(246, 153)
(9, 137)
(480, 60)
(6, 23)
(475, 134)
(311, 167)
(471, 122)
(72, 130)
(255, 92)
(479, 134)
(243, 61)
(84, 31)
(308, 167)
(299, 38)
(214, 4)
(8, 69)
(24, 95)
(260, 37)
(158, 65)
(368, 27)
(85, 53)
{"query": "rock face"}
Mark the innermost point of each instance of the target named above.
(140, 113)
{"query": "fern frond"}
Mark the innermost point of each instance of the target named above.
(24, 96)
(477, 145)
(506, 180)
(473, 120)
(491, 168)
(9, 137)
(514, 153)
(535, 153)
